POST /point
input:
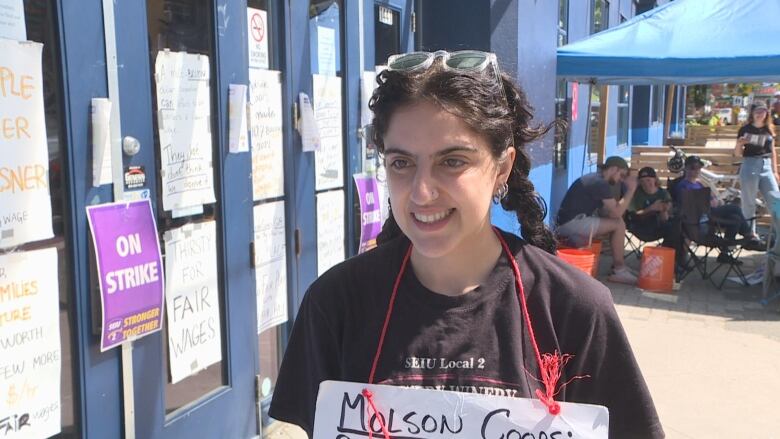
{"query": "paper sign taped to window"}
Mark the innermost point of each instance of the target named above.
(343, 412)
(25, 205)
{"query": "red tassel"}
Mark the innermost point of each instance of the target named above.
(370, 398)
(551, 368)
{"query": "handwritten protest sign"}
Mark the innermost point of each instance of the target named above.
(192, 298)
(130, 270)
(265, 120)
(12, 23)
(328, 163)
(270, 265)
(30, 356)
(25, 206)
(343, 413)
(330, 230)
(184, 120)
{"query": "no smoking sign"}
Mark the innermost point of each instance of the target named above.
(257, 26)
(257, 20)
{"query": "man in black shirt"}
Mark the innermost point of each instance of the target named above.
(589, 209)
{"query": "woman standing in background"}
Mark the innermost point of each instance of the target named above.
(755, 143)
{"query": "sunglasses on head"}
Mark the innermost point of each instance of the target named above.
(466, 61)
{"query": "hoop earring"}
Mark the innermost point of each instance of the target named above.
(501, 193)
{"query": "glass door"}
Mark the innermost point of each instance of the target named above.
(178, 65)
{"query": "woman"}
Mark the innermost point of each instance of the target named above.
(440, 286)
(755, 143)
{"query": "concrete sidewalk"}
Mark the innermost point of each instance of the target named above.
(711, 358)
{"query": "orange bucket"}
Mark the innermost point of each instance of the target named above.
(657, 270)
(595, 247)
(582, 259)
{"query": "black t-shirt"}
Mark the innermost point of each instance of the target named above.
(760, 143)
(585, 196)
(476, 342)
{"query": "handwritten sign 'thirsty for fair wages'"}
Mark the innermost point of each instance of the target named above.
(30, 356)
(192, 298)
(25, 206)
(184, 120)
(130, 270)
(344, 413)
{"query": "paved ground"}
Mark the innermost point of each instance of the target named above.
(711, 357)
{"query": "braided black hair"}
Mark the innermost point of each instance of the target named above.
(479, 102)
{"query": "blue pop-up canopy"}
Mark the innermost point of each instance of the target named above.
(683, 42)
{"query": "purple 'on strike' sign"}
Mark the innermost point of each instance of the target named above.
(370, 211)
(130, 269)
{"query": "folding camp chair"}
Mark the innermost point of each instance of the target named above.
(700, 231)
(638, 238)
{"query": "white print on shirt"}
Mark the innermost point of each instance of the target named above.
(443, 363)
(481, 390)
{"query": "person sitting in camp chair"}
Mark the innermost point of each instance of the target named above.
(649, 216)
(590, 209)
(650, 207)
(727, 217)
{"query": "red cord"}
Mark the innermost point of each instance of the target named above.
(370, 398)
(389, 312)
(551, 365)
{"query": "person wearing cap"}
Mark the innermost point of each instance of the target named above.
(727, 216)
(590, 209)
(755, 144)
(650, 200)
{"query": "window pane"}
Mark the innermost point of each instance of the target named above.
(269, 341)
(325, 30)
(186, 25)
(387, 34)
(623, 109)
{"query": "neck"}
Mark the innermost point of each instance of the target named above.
(464, 268)
(758, 124)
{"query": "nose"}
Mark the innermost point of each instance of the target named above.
(423, 187)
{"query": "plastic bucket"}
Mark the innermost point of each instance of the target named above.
(582, 259)
(657, 270)
(595, 247)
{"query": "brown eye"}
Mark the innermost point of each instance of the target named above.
(454, 163)
(399, 164)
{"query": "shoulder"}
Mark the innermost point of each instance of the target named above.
(742, 130)
(566, 288)
(354, 279)
(663, 193)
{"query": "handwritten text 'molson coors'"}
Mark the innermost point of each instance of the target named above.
(355, 421)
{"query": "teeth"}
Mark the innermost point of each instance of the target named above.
(433, 218)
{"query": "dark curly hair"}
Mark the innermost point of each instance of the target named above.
(477, 99)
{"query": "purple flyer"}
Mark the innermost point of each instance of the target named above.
(370, 211)
(130, 268)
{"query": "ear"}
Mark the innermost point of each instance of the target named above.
(505, 165)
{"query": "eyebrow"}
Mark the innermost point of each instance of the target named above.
(445, 151)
